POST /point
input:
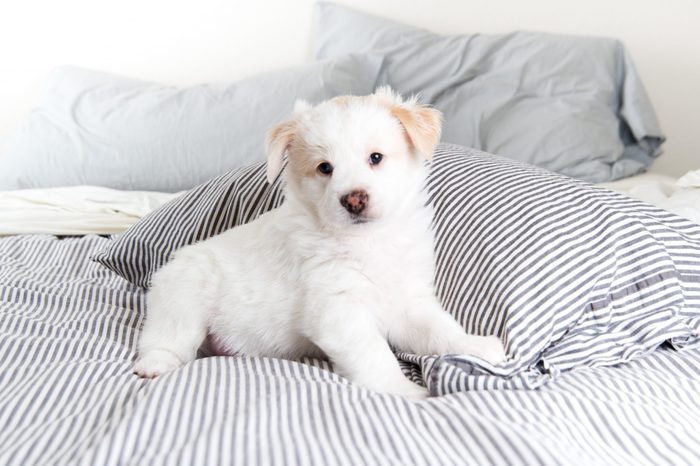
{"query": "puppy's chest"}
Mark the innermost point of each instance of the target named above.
(394, 264)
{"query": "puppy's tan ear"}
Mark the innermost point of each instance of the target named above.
(423, 126)
(278, 140)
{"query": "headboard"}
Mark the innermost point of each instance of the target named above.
(184, 42)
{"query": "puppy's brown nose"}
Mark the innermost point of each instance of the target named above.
(355, 201)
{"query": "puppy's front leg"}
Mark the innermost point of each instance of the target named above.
(175, 323)
(426, 328)
(351, 339)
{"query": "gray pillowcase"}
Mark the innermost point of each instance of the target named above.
(573, 105)
(93, 128)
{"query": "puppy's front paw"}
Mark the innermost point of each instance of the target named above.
(492, 350)
(417, 393)
(409, 390)
(155, 363)
(489, 348)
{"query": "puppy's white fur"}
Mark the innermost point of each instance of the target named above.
(311, 278)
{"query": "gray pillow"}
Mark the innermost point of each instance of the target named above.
(574, 105)
(100, 129)
(568, 274)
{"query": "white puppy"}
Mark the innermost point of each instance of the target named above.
(341, 270)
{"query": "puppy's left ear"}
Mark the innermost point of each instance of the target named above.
(278, 140)
(423, 126)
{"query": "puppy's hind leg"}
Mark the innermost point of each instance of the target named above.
(176, 321)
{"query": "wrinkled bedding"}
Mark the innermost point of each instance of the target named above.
(75, 210)
(680, 196)
(67, 394)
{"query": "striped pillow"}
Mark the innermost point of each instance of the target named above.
(567, 273)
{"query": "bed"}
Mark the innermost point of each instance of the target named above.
(69, 324)
(69, 329)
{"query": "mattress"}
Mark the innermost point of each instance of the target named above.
(67, 395)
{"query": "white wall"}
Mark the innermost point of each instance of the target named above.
(184, 42)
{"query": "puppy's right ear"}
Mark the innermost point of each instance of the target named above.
(280, 137)
(278, 140)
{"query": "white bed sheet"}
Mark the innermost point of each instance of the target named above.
(680, 196)
(76, 210)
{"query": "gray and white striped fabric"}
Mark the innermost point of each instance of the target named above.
(566, 273)
(67, 394)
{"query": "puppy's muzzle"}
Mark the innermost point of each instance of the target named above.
(355, 202)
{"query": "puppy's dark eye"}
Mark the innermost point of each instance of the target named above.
(375, 158)
(325, 168)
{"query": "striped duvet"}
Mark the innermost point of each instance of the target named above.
(67, 395)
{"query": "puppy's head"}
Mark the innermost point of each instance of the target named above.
(355, 160)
